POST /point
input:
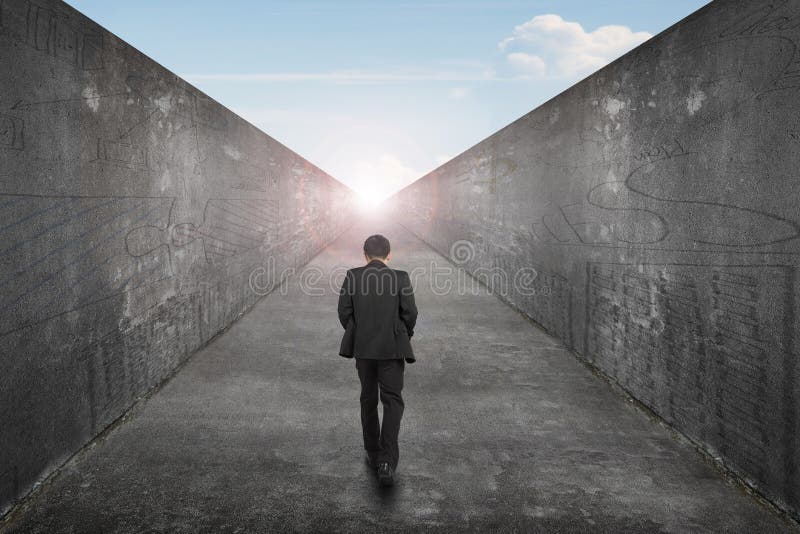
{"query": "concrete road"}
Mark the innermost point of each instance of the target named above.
(504, 431)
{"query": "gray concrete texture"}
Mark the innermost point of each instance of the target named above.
(133, 210)
(657, 202)
(503, 431)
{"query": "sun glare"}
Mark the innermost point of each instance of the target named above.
(370, 201)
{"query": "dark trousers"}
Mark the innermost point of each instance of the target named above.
(384, 379)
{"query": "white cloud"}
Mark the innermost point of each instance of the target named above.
(548, 45)
(265, 117)
(353, 76)
(458, 93)
(527, 64)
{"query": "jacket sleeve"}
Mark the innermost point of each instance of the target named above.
(408, 308)
(345, 307)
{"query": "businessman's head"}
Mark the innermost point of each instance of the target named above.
(376, 247)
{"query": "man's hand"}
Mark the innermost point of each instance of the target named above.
(345, 307)
(408, 308)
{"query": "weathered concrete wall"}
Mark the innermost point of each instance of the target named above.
(659, 202)
(133, 210)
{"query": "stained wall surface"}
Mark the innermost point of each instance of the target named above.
(134, 213)
(658, 202)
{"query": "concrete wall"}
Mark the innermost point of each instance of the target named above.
(133, 210)
(659, 202)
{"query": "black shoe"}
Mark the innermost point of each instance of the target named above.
(385, 474)
(371, 462)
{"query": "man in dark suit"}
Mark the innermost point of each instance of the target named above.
(377, 310)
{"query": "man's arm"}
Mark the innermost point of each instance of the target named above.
(345, 307)
(408, 308)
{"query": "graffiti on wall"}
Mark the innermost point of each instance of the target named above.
(658, 198)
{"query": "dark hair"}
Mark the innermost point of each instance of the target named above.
(376, 246)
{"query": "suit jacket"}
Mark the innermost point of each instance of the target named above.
(378, 312)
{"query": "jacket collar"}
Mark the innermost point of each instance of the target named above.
(376, 263)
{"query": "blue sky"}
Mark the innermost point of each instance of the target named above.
(379, 93)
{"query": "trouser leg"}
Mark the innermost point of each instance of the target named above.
(390, 378)
(370, 426)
